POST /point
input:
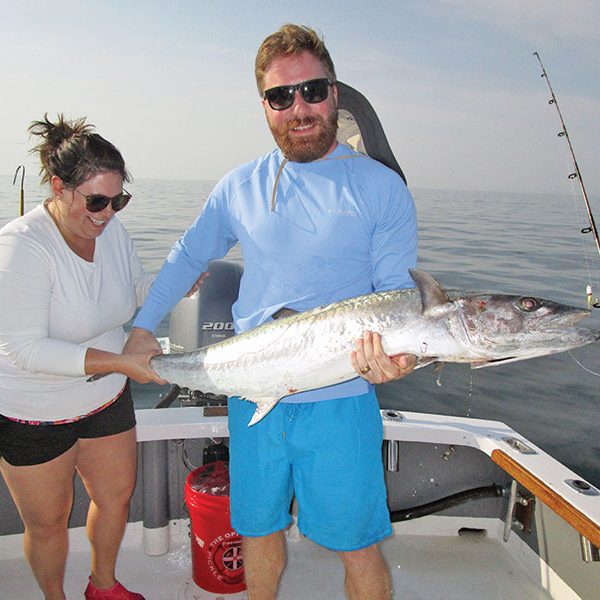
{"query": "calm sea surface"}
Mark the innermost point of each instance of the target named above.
(515, 243)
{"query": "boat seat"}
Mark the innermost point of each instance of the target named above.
(360, 128)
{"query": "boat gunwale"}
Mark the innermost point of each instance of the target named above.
(537, 470)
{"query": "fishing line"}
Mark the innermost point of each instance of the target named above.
(590, 227)
(583, 366)
(469, 408)
(585, 250)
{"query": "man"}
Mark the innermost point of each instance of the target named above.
(317, 222)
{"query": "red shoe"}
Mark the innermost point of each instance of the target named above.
(116, 592)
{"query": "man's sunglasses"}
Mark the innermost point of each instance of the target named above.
(97, 202)
(312, 91)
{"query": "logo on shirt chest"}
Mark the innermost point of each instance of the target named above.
(341, 212)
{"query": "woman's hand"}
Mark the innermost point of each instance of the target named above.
(140, 341)
(140, 347)
(134, 362)
(137, 367)
(371, 362)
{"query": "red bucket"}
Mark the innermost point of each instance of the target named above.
(217, 564)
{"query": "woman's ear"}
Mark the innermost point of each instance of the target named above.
(57, 185)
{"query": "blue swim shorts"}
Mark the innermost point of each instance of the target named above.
(327, 453)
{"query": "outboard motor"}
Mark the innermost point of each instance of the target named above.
(205, 318)
(201, 320)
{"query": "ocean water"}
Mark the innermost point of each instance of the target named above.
(527, 244)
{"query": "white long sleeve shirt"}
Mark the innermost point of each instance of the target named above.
(53, 306)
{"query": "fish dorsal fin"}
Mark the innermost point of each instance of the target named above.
(432, 292)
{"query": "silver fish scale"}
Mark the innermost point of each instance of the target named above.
(300, 352)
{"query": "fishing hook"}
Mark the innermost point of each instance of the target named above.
(22, 190)
(577, 173)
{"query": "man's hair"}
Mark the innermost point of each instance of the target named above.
(291, 39)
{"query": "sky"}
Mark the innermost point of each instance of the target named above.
(454, 82)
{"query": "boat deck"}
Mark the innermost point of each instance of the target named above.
(457, 555)
(452, 567)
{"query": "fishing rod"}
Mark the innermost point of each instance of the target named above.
(22, 190)
(591, 228)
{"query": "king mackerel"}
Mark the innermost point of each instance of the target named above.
(312, 349)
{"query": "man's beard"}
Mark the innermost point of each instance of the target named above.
(310, 148)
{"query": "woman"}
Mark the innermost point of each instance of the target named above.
(69, 279)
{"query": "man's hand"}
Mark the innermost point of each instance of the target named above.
(197, 284)
(373, 364)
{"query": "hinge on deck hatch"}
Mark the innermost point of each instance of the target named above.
(519, 514)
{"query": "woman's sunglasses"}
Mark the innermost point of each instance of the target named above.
(97, 202)
(312, 91)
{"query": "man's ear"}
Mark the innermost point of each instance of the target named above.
(335, 93)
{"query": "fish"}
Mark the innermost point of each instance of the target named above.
(311, 349)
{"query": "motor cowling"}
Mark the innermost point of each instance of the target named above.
(205, 318)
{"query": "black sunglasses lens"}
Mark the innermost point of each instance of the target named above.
(281, 97)
(96, 202)
(312, 91)
(315, 90)
(120, 202)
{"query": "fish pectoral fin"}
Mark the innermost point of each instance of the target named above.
(480, 364)
(423, 361)
(263, 407)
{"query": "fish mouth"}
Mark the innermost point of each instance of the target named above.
(554, 341)
(572, 337)
(594, 334)
(568, 316)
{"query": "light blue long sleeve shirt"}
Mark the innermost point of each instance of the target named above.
(323, 231)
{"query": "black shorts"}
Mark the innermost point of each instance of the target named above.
(22, 444)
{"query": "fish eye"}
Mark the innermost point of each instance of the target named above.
(529, 304)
